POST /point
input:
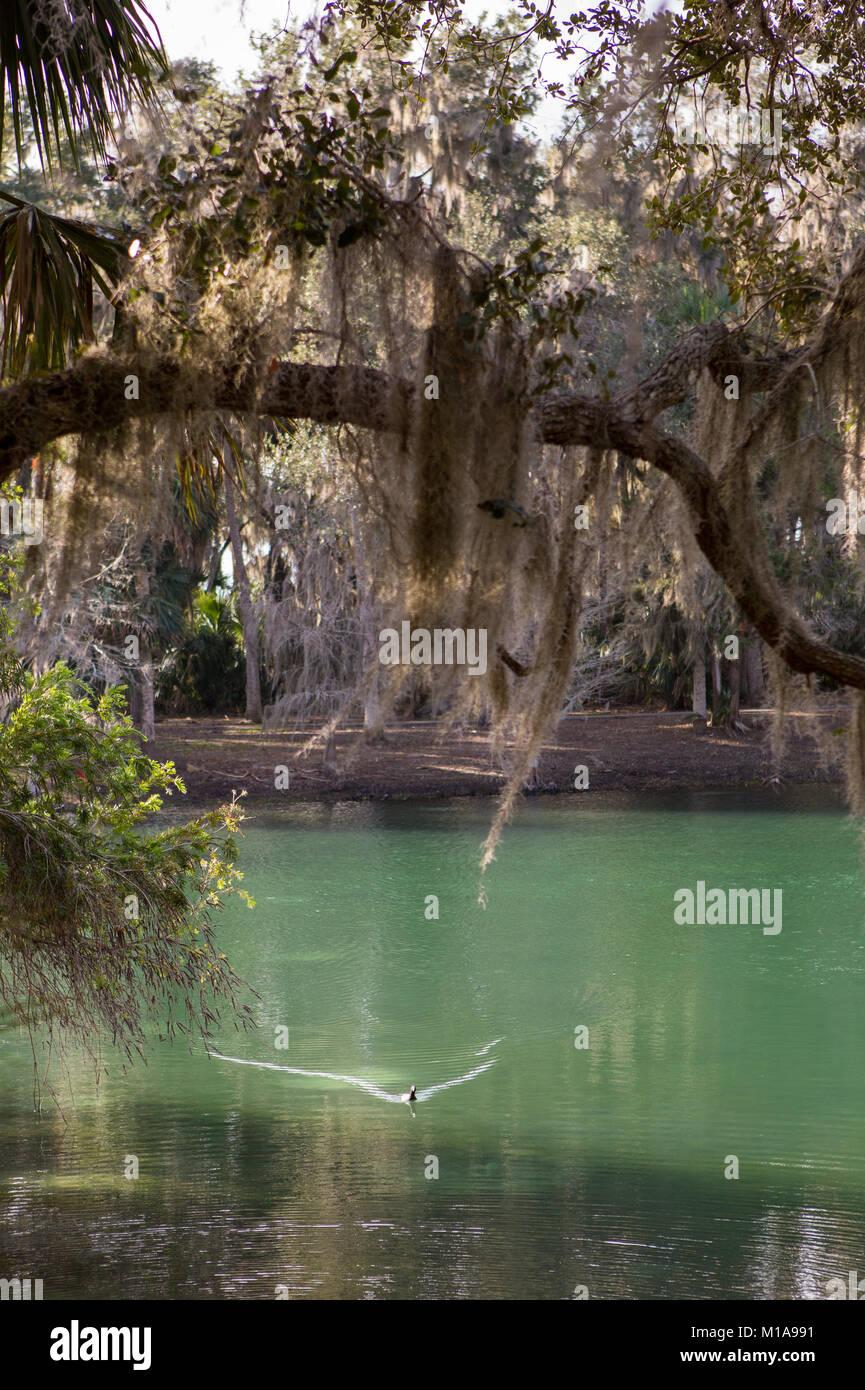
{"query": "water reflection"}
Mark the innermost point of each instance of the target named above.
(557, 1166)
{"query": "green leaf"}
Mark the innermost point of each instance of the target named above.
(347, 56)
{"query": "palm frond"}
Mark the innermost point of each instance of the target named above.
(75, 66)
(211, 448)
(49, 267)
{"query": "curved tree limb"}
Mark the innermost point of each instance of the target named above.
(91, 396)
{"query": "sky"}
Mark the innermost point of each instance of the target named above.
(218, 31)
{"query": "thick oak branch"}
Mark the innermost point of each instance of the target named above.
(92, 396)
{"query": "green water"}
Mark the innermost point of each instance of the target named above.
(558, 1167)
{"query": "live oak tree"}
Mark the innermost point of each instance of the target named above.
(485, 402)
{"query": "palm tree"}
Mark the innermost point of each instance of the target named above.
(75, 66)
(68, 73)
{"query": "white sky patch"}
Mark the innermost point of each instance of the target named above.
(218, 31)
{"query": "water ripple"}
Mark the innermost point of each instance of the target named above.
(368, 1086)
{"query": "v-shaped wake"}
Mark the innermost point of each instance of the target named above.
(423, 1094)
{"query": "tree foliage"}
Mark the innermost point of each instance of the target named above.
(103, 924)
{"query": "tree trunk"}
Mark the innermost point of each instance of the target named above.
(373, 715)
(372, 706)
(214, 570)
(146, 695)
(135, 702)
(141, 699)
(754, 671)
(716, 686)
(248, 615)
(735, 689)
(698, 703)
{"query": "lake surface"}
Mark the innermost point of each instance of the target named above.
(560, 1168)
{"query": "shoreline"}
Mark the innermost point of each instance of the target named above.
(621, 751)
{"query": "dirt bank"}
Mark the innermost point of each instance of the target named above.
(622, 751)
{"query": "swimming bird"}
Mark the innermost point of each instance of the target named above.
(368, 1086)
